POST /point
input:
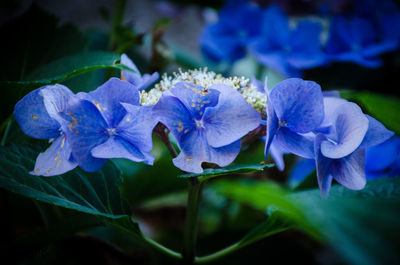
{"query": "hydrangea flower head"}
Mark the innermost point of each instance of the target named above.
(285, 50)
(239, 22)
(141, 82)
(110, 123)
(39, 116)
(206, 122)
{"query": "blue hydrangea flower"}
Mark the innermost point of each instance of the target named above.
(239, 22)
(207, 123)
(287, 51)
(295, 109)
(355, 39)
(38, 114)
(139, 81)
(110, 123)
(340, 152)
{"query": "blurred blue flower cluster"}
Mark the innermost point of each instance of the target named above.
(292, 44)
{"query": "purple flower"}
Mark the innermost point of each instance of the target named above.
(340, 151)
(139, 81)
(207, 123)
(287, 51)
(110, 123)
(295, 109)
(355, 39)
(38, 114)
(239, 22)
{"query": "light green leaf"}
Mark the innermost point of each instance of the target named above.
(384, 108)
(233, 169)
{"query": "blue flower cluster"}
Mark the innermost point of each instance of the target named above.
(207, 122)
(324, 127)
(290, 46)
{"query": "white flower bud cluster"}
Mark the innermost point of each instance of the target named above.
(205, 78)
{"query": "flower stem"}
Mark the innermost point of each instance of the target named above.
(192, 217)
(118, 17)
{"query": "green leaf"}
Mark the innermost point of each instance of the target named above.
(96, 194)
(67, 67)
(361, 225)
(383, 108)
(233, 169)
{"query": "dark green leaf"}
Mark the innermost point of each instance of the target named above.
(96, 194)
(233, 169)
(361, 225)
(67, 67)
(383, 108)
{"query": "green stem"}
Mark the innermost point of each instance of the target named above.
(219, 254)
(192, 217)
(162, 249)
(118, 18)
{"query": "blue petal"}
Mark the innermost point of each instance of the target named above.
(195, 98)
(56, 160)
(306, 38)
(217, 44)
(331, 105)
(258, 84)
(301, 170)
(376, 134)
(31, 114)
(272, 127)
(109, 96)
(137, 127)
(147, 80)
(118, 147)
(298, 144)
(380, 157)
(231, 119)
(323, 166)
(170, 111)
(275, 25)
(198, 151)
(87, 129)
(131, 77)
(298, 104)
(55, 99)
(350, 170)
(350, 128)
(277, 153)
